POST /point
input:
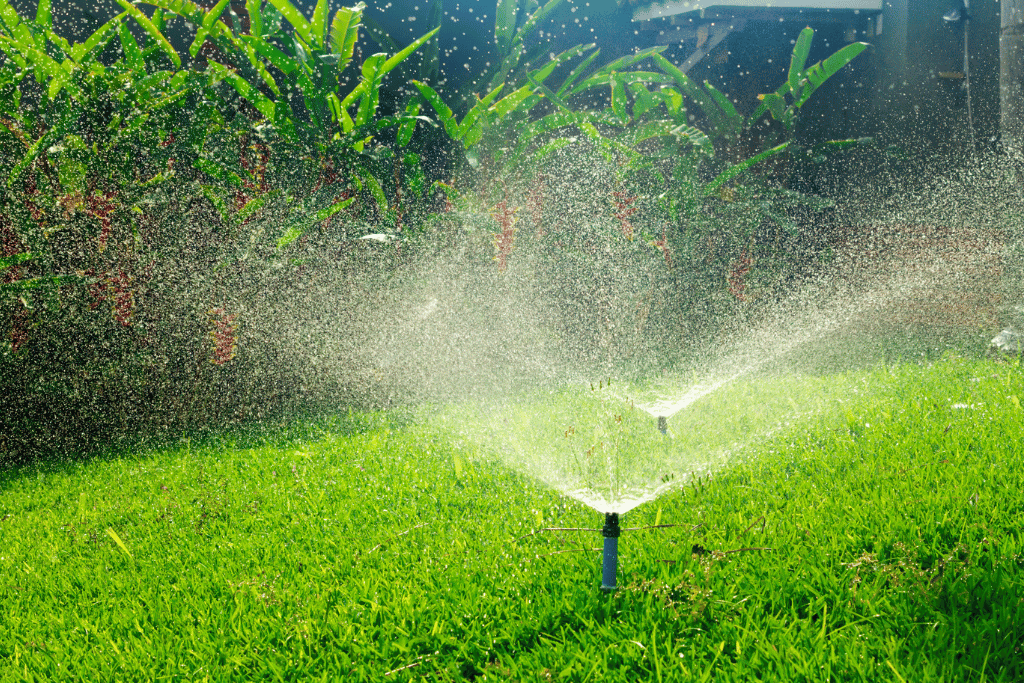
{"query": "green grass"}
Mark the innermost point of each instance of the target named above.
(879, 542)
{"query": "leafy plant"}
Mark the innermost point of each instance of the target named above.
(302, 101)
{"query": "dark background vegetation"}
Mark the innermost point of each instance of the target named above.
(178, 303)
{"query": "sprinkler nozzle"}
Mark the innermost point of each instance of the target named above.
(663, 424)
(610, 564)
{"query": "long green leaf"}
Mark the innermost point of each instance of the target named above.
(799, 58)
(580, 69)
(255, 17)
(44, 142)
(276, 57)
(214, 14)
(44, 15)
(345, 33)
(822, 71)
(508, 64)
(294, 17)
(388, 65)
(541, 74)
(509, 103)
(444, 112)
(29, 284)
(598, 77)
(505, 24)
(731, 123)
(132, 53)
(540, 15)
(296, 230)
(252, 94)
(478, 109)
(377, 191)
(399, 57)
(618, 97)
(736, 169)
(8, 261)
(318, 25)
(99, 39)
(373, 71)
(408, 125)
(152, 30)
(691, 90)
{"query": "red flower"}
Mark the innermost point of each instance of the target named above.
(663, 245)
(101, 206)
(535, 202)
(738, 270)
(118, 289)
(19, 329)
(624, 211)
(224, 335)
(123, 298)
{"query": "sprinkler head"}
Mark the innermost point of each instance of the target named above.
(663, 424)
(610, 563)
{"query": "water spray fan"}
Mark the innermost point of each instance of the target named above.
(611, 532)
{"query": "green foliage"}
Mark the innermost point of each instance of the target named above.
(302, 103)
(784, 103)
(150, 197)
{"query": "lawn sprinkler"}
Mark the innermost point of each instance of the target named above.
(663, 424)
(610, 564)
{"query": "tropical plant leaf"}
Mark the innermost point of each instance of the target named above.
(799, 58)
(408, 124)
(580, 69)
(294, 17)
(729, 120)
(822, 71)
(738, 168)
(98, 41)
(44, 15)
(378, 193)
(389, 64)
(534, 19)
(598, 77)
(284, 63)
(618, 97)
(150, 28)
(478, 109)
(255, 17)
(8, 261)
(318, 25)
(505, 24)
(132, 53)
(46, 141)
(444, 112)
(345, 33)
(263, 104)
(686, 85)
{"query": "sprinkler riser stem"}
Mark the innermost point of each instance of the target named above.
(610, 563)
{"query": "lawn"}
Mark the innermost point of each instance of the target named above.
(877, 540)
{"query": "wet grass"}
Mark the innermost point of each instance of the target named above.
(882, 543)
